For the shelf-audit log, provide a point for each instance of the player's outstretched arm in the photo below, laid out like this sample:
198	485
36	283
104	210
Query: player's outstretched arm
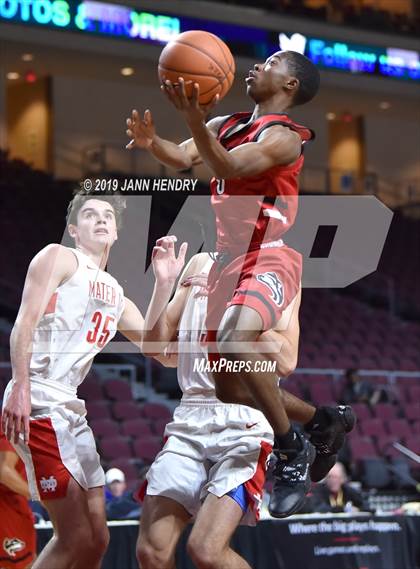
9	475
142	134
47	270
278	145
131	323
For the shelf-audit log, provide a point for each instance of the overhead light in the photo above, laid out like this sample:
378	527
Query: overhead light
347	117
13	75
27	57
30	77
384	105
331	116
126	71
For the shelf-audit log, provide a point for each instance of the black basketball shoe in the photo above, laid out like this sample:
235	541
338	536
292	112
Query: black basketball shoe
291	479
329	440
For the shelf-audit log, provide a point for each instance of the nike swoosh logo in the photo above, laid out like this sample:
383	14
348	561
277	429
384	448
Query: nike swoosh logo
250	425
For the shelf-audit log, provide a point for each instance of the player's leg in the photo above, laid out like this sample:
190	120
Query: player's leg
243	324
326	427
209	541
97	519
73	543
161	524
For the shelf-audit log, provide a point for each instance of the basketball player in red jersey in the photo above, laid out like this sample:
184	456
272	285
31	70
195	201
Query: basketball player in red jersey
17	532
257	155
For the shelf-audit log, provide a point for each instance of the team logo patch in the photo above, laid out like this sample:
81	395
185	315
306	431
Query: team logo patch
272	281
48	484
13	545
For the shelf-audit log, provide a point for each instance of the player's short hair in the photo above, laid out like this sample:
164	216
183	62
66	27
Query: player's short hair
303	69
117	202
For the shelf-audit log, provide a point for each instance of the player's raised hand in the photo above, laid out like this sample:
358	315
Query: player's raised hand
166	265
141	131
190	106
15	417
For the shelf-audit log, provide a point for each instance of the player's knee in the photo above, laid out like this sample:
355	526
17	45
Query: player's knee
150	557
204	556
100	541
77	544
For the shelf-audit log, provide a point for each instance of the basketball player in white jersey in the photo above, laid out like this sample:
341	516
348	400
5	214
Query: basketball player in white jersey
213	464
70	309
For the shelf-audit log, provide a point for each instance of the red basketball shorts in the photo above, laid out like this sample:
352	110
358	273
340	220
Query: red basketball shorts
266	280
17	537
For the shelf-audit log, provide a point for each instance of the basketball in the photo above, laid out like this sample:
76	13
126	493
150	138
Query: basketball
199	57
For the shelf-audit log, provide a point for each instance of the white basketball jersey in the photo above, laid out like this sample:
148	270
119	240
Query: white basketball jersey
194	383
80	319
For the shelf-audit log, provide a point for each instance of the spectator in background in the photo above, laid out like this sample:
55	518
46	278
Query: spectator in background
17	532
119	502
335	495
358	390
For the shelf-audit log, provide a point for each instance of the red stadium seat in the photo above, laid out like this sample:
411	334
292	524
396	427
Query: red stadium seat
412	411
362	411
385	411
413	443
136	427
105	427
361	448
126	410
128	466
116	447
147	448
385	446
399	428
155	411
91	390
372	427
159	426
98	410
118	390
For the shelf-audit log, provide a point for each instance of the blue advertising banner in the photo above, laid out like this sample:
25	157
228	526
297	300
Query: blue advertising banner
136	25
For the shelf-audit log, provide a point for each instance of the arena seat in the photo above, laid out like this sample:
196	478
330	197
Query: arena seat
126	410
399	428
147	448
159	426
105	427
98	410
136	427
373	427
117	390
155	411
91	390
116	447
412	411
130	468
362	447
385	411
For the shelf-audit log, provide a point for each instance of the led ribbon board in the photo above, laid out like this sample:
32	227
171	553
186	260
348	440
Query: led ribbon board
119	21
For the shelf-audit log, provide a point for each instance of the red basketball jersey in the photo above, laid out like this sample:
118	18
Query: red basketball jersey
256	218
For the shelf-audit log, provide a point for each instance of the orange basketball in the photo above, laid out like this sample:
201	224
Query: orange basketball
199	57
